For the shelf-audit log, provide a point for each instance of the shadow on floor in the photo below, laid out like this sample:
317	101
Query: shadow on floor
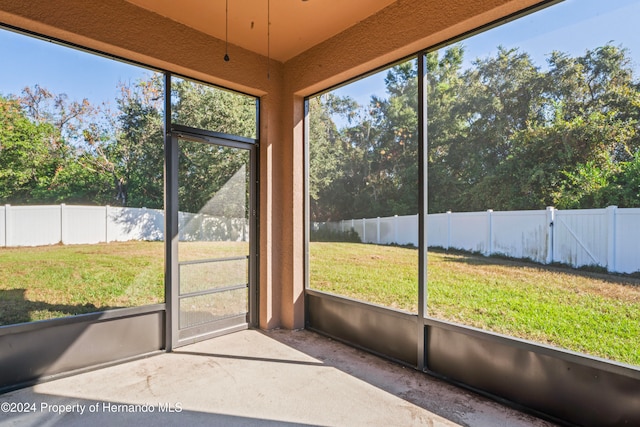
263	378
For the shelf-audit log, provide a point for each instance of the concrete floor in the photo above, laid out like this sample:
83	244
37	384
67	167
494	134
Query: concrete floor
256	378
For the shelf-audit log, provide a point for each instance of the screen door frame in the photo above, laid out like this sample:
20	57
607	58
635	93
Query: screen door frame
176	337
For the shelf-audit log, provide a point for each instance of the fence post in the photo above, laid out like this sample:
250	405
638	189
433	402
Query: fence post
62	205
7	225
551	232
488	249
106	224
364	230
3	230
448	230
378	230
395	228
611	238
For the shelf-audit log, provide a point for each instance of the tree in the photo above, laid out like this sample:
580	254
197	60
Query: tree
207	171
27	153
53	150
45	155
496	99
327	157
588	135
502	134
206	107
443	87
137	158
369	167
393	177
532	138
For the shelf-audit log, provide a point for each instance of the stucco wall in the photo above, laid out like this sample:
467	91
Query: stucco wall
395	32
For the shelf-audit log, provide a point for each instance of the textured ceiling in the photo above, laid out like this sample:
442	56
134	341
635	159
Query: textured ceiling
296	25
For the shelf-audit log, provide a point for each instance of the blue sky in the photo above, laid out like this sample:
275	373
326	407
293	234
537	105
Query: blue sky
572	26
61	70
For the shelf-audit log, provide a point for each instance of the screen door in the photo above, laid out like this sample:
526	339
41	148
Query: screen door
215	229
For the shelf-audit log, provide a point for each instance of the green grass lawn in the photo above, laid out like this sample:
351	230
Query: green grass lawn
55	281
46	282
597	314
592	313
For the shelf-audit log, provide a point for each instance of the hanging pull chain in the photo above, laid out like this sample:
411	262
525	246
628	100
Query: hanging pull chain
268	39
226	31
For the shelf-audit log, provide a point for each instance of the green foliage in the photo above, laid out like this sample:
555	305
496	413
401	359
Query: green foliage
502	134
370	166
53	150
205	107
328	235
27	151
138	155
45	150
616	184
207	170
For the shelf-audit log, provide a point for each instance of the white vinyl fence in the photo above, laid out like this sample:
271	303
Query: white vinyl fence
50	225
607	238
